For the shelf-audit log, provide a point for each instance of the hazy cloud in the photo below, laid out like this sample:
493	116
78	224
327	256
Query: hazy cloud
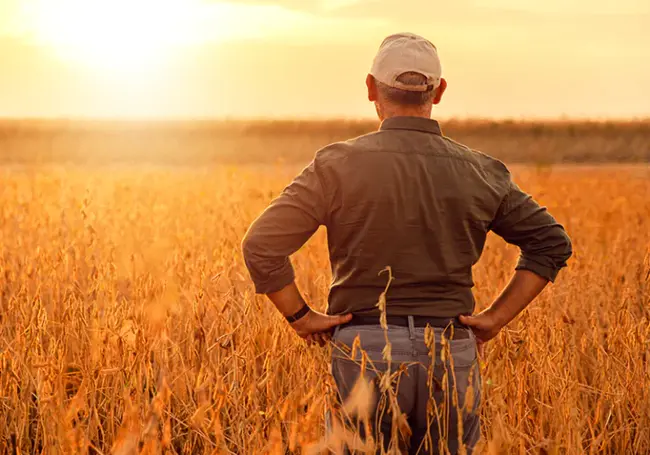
574	8
312	6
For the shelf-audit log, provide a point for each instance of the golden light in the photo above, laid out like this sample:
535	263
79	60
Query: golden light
123	35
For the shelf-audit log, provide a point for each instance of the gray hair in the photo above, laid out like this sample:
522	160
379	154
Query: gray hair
405	97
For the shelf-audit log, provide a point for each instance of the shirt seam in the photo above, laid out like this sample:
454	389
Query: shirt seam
394	128
435	154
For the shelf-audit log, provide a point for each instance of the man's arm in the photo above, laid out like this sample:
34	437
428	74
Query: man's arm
545	248
522	289
280	231
286	224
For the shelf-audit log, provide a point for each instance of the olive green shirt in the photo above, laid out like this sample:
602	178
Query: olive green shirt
408	198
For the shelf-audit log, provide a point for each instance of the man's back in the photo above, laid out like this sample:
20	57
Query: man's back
407	198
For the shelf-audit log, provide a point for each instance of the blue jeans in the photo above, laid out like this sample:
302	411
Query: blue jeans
435	418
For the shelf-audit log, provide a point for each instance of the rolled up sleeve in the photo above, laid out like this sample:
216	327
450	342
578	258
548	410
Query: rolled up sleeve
545	245
288	222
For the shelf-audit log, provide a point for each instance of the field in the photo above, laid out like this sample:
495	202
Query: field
128	323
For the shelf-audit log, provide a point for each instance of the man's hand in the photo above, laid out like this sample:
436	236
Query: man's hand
317	327
314	327
484	325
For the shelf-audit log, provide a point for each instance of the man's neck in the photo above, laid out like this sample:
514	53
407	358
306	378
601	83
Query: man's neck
402	112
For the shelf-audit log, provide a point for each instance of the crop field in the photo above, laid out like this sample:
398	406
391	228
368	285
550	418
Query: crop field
128	323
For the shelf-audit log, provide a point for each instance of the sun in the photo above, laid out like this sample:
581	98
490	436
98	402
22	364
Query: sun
121	35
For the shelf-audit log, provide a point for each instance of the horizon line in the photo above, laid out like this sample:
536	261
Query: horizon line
315	119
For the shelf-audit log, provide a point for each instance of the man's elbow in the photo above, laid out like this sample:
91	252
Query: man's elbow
565	251
558	247
549	256
249	246
561	251
269	272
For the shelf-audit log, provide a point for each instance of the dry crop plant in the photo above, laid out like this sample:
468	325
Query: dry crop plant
128	324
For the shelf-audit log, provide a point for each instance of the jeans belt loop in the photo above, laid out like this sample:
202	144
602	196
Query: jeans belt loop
411	327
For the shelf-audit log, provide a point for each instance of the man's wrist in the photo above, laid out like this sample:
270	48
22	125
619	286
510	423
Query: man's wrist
498	319
298	315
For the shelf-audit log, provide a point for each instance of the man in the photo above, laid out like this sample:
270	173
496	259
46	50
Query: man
408	198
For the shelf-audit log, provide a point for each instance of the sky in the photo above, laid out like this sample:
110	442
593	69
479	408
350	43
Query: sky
309	58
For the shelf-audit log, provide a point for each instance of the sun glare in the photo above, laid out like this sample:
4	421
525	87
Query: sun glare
123	35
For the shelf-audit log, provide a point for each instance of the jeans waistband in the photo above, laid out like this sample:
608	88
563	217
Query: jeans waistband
411	322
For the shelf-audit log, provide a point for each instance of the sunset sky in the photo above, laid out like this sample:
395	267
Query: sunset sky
309	58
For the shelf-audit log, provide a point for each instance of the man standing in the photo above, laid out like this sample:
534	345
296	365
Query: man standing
408	198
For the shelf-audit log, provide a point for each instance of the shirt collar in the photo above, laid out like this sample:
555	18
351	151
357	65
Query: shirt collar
425	125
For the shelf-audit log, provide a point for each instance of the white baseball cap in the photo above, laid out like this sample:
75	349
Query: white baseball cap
405	53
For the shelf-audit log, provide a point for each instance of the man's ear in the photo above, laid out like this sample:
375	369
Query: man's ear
372	88
440	91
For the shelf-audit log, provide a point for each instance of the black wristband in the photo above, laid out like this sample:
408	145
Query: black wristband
301	313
